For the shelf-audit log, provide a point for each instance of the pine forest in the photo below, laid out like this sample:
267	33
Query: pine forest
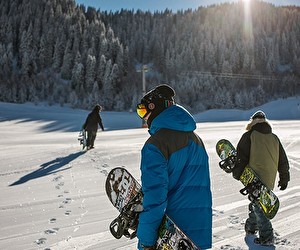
231	55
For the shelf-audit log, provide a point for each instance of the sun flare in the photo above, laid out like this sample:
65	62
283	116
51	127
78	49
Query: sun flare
248	33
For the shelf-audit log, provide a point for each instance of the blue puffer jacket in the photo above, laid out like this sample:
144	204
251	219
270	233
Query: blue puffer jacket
175	179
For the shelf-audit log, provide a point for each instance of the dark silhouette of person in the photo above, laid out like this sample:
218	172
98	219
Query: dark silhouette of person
91	125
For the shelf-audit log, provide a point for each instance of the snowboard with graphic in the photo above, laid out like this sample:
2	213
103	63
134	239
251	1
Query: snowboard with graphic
254	187
125	194
82	138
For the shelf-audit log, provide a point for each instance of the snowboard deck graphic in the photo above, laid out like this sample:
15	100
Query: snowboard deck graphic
82	138
125	194
254	187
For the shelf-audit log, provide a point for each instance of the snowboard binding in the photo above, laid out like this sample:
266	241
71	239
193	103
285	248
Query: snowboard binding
184	245
252	190
229	162
126	223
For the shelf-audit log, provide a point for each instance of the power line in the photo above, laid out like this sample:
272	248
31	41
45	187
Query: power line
229	75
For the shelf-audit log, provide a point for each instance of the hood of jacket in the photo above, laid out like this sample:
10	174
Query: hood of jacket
263	127
175	117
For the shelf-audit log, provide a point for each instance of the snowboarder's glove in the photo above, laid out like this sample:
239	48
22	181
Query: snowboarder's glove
282	185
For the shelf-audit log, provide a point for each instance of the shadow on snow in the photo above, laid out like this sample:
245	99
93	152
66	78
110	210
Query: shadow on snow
49	167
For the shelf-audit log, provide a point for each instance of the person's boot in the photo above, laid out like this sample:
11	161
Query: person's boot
264	242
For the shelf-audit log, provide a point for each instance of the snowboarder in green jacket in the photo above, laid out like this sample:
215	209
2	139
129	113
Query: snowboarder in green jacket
263	152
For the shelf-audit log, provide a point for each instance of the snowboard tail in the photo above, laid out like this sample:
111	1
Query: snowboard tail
125	194
254	187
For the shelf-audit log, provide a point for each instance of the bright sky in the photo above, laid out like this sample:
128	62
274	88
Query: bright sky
161	5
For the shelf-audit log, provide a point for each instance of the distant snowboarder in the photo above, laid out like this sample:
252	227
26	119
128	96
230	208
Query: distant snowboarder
91	126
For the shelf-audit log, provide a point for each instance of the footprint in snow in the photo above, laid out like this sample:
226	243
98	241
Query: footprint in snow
59	185
217	212
104	171
53	220
67	201
51	231
41	241
234	219
68	212
280	241
57	178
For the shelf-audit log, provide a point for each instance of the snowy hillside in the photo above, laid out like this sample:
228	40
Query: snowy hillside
282	109
52	193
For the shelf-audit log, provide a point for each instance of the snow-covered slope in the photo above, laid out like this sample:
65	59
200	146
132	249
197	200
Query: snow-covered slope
282	109
52	194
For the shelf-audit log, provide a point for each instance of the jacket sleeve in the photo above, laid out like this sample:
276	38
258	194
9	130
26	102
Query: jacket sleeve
243	155
283	165
101	123
155	189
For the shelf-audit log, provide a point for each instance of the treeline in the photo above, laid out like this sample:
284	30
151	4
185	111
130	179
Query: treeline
222	56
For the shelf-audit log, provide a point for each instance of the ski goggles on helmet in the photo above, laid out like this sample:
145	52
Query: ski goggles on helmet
142	110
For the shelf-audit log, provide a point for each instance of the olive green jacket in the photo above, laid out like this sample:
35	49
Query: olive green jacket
263	152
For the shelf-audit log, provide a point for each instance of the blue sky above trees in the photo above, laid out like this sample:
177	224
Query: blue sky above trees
161	5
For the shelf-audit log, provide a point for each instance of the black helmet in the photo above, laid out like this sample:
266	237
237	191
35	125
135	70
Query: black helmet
161	92
258	115
157	100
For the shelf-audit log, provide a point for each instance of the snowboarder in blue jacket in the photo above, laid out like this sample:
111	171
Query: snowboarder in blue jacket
174	172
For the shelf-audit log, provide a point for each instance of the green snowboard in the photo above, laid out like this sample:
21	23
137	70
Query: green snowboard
254	187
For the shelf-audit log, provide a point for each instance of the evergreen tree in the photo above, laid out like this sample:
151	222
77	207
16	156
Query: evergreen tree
59	52
66	68
77	76
108	92
90	72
